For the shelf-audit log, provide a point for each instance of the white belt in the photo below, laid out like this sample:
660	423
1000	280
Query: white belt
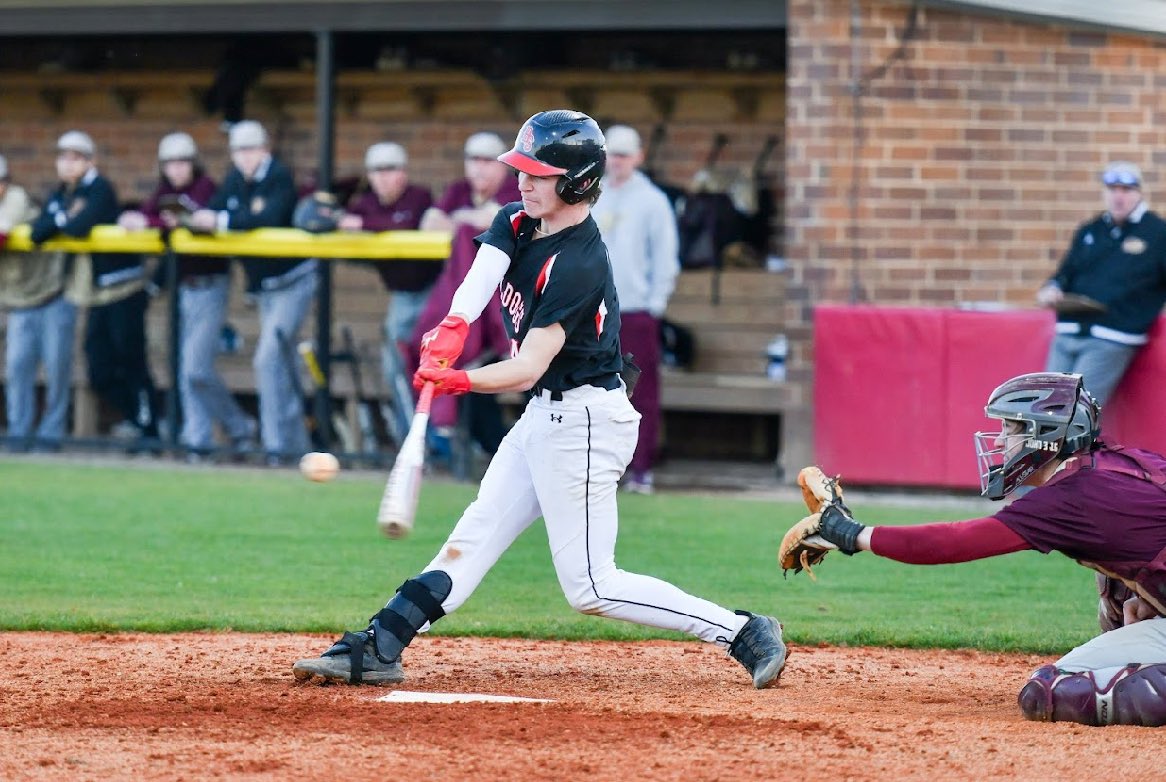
1101	332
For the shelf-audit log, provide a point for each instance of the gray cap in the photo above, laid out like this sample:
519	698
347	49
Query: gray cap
76	141
1122	172
3	167
386	154
177	146
485	145
622	140
247	134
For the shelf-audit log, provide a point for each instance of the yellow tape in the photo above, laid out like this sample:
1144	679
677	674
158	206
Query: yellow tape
262	243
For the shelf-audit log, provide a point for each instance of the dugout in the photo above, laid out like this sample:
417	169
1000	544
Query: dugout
933	154
329	78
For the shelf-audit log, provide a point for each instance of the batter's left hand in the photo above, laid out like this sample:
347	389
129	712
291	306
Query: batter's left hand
445	381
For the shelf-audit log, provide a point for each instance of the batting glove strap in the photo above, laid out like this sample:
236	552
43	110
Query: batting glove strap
840	529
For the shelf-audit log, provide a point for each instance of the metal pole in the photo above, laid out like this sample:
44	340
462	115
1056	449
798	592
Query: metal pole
326	128
856	291
172	408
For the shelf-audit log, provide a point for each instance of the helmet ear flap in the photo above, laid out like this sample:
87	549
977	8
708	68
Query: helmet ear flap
572	191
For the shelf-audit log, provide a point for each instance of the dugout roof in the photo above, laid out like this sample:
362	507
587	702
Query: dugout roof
97	17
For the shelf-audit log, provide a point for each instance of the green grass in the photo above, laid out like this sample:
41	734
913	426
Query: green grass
88	548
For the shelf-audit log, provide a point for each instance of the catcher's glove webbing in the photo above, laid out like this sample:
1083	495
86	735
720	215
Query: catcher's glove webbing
829	527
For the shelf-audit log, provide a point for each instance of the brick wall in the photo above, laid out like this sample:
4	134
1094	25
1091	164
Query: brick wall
980	153
433	128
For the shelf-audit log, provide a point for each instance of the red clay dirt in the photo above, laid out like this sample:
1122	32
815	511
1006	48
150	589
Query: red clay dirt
223	705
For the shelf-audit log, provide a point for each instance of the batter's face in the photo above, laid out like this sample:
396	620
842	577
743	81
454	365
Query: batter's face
179	173
71	166
539	198
1120	201
388	183
248	159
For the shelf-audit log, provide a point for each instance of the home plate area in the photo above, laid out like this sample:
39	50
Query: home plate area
406	696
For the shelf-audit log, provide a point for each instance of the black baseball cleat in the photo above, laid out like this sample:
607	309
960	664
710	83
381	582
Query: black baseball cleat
354	660
758	647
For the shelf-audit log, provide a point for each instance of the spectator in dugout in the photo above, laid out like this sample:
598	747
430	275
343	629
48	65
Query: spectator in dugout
41	326
203	289
111	285
474	200
467	207
1118	261
638	226
392	203
259	193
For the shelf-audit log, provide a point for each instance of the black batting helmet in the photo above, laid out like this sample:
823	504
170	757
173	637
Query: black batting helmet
562	143
317	213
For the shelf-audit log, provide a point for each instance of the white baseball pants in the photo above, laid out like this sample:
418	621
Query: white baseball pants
563	460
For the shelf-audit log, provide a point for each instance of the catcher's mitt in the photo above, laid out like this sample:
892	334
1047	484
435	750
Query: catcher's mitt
802	548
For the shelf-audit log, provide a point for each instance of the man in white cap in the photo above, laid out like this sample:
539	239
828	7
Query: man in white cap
41	323
474	200
259	193
1115	269
467	207
203	293
393	203
111	285
639	228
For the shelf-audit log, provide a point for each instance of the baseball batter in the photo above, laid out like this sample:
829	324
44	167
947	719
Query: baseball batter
1103	505
564	457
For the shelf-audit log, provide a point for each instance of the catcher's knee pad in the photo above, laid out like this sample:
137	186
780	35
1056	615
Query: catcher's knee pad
1135	695
417	601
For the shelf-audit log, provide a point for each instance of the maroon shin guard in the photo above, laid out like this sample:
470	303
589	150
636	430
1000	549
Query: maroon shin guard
1136	695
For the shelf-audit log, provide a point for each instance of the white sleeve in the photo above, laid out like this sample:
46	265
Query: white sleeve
483	278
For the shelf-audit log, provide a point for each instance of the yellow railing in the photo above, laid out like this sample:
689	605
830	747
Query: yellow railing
262	242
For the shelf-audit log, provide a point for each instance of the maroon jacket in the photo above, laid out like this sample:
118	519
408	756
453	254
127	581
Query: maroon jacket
198	193
404	214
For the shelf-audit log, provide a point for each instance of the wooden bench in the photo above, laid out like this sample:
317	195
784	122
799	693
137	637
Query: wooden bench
728	375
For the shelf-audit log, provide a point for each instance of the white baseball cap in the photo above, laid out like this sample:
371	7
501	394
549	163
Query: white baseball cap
1122	172
385	154
3	167
247	134
76	141
177	146
622	140
485	145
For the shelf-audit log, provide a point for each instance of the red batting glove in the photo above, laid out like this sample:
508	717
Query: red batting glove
445	381
441	346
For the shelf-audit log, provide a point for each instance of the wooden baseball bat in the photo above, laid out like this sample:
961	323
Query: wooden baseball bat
399	502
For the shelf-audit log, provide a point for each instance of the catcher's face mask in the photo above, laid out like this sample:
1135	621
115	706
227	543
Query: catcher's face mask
1044	415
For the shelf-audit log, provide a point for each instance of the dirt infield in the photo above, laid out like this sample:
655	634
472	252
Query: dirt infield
197	706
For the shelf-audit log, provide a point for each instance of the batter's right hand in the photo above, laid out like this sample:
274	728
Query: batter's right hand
441	346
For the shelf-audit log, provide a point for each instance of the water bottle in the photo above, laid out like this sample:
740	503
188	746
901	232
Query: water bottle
777	351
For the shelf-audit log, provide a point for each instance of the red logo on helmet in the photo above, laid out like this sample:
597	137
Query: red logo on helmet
526	138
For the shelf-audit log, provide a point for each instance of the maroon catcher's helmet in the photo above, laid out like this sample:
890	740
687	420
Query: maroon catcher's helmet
1053	417
562	143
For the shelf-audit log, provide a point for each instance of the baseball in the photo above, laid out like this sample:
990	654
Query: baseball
319	467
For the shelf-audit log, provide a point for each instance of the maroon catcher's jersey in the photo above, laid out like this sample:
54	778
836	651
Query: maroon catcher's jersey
1094	514
564	278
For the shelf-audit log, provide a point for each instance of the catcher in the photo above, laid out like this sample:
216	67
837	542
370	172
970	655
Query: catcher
1102	505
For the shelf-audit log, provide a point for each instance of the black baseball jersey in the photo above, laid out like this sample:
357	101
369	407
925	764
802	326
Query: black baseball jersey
564	278
1122	266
